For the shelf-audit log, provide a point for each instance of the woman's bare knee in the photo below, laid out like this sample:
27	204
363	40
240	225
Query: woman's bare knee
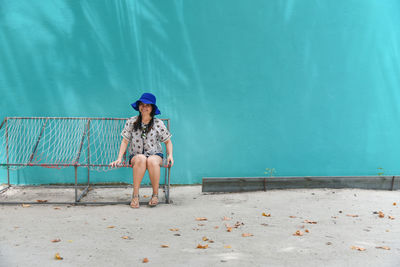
153	161
139	160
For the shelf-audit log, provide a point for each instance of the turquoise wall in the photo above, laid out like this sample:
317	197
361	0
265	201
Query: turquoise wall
305	87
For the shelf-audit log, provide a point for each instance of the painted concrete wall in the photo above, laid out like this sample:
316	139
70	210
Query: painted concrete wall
304	87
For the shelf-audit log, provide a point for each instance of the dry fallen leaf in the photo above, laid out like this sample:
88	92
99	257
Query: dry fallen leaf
57	256
391	217
41	201
164	246
125	237
227	246
292	216
352	215
146	196
201	224
357	248
56	240
201	219
394	204
26	205
247	234
174	229
381	214
237	224
266	214
384	247
310	222
307	231
111	226
210	241
298	233
226	218
205	238
229	229
145	260
203	247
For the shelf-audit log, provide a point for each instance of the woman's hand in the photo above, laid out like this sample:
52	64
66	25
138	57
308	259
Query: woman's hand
170	160
116	163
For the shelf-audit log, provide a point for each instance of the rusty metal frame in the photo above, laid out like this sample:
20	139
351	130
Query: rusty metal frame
76	165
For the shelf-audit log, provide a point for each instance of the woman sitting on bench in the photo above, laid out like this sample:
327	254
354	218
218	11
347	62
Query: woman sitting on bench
145	133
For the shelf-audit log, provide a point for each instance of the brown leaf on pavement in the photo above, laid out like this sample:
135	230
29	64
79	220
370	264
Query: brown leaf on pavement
57	208
352	215
307	231
310	222
227	246
384	247
41	201
216	227
381	214
174	229
266	214
205	238
358	248
292	217
125	237
247	234
26	205
111	226
226	218
164	246
145	260
229	229
57	256
391	217
394	203
203	247
298	233
201	219
56	240
237	224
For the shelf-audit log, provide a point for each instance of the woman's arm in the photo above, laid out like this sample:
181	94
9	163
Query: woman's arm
170	159
122	149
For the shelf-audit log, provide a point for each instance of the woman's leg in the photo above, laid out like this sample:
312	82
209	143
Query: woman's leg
139	168
153	165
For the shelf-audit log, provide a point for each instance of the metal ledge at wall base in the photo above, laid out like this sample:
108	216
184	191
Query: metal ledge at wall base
245	184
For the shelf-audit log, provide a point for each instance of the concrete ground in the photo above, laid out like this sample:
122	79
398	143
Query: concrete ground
332	224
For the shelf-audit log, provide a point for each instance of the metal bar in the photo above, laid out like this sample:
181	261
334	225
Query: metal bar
4	189
3	122
88	153
76	183
72	118
67	165
37	142
8	156
167	199
84	193
80	148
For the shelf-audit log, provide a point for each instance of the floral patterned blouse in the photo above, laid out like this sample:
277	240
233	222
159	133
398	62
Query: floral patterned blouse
145	143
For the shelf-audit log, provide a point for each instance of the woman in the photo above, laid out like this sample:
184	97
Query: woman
145	133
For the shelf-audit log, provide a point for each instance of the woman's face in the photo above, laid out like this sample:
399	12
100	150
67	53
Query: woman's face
145	109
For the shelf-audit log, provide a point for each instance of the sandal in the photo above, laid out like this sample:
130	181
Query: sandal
135	202
154	200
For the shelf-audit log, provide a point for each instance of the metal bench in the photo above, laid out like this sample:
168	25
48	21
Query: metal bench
61	142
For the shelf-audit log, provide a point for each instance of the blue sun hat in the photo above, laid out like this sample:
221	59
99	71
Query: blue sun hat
146	98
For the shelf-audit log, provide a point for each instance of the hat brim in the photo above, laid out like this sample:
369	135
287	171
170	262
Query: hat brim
136	106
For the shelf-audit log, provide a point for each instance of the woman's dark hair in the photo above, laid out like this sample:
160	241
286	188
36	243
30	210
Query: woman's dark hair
137	125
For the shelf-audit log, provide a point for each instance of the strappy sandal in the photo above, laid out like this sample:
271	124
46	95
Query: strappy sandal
135	202
154	200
